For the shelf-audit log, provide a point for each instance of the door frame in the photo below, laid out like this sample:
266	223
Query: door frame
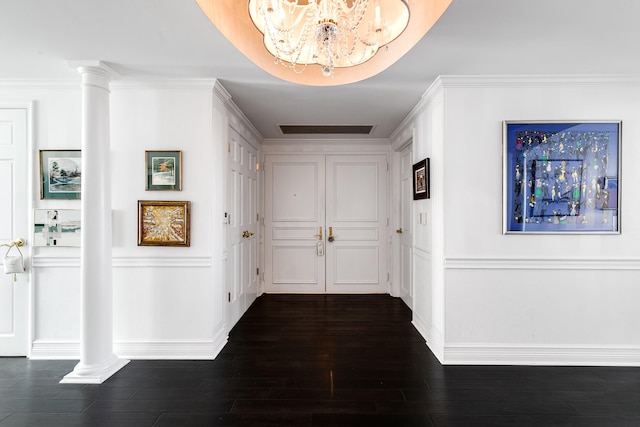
27	250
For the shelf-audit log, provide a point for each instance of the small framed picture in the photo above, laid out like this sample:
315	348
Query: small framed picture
164	170
163	223
421	180
60	174
56	227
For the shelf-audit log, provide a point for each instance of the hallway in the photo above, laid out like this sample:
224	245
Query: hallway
320	360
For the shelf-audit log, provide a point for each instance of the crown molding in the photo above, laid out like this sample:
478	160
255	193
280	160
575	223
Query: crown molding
165	84
39	84
562	80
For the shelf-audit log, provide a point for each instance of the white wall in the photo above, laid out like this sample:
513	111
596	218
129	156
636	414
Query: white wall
168	301
163	296
530	299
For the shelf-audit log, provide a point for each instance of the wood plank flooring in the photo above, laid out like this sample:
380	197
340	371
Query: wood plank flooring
319	361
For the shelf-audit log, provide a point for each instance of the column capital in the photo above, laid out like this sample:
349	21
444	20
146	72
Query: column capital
95	66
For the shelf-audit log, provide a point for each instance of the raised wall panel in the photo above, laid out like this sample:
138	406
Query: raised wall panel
6	214
6	133
294	264
291	233
364	179
356	265
297	195
359	234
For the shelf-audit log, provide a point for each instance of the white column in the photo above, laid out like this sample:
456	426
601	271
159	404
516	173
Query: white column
97	361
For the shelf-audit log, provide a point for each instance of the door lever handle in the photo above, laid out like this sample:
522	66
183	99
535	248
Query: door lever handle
399	230
331	237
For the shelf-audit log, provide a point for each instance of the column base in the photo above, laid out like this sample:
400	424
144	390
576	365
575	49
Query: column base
83	374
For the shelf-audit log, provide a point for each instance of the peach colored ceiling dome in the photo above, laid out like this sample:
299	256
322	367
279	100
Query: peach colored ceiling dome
245	36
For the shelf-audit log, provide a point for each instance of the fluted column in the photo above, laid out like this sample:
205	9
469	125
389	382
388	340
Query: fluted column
97	360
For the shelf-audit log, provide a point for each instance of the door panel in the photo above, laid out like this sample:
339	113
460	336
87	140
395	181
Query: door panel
356	215
342	195
14	296
294	213
406	224
242	230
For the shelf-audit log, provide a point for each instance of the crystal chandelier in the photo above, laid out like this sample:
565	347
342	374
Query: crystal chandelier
330	33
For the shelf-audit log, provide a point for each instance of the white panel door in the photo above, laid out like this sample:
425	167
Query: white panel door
242	229
325	223
294	216
406	226
14	296
356	211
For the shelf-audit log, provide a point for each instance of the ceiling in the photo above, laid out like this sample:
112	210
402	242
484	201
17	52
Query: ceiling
174	39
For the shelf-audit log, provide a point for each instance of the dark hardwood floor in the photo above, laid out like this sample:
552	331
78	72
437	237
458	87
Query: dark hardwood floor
320	360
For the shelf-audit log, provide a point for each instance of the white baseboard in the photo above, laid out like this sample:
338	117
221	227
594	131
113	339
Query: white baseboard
521	354
51	350
170	350
541	355
432	336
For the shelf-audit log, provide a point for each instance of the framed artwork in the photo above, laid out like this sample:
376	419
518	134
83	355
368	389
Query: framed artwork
60	174
163	223
421	184
164	170
56	227
561	177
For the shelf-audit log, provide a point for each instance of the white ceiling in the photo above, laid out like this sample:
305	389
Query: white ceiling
173	39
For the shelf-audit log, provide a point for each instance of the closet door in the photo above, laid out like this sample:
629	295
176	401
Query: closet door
356	211
405	231
242	230
294	223
14	217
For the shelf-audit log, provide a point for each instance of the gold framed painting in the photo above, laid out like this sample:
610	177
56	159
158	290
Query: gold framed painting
163	223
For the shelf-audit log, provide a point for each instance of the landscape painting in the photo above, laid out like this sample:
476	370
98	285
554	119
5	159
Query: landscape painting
61	173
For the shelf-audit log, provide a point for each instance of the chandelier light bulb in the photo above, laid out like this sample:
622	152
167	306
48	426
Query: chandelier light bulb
330	33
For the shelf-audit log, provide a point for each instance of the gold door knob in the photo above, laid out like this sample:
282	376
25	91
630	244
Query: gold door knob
246	234
399	230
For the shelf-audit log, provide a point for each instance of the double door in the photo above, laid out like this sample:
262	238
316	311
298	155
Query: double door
326	224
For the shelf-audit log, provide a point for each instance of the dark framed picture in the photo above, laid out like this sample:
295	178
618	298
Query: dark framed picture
164	170
561	177
60	174
421	184
163	223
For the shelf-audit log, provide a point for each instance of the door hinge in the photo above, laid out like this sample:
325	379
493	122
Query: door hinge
257	271
257	217
228	147
388	277
229	296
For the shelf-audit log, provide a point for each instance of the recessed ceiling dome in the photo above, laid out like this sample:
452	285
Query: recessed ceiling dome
235	23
